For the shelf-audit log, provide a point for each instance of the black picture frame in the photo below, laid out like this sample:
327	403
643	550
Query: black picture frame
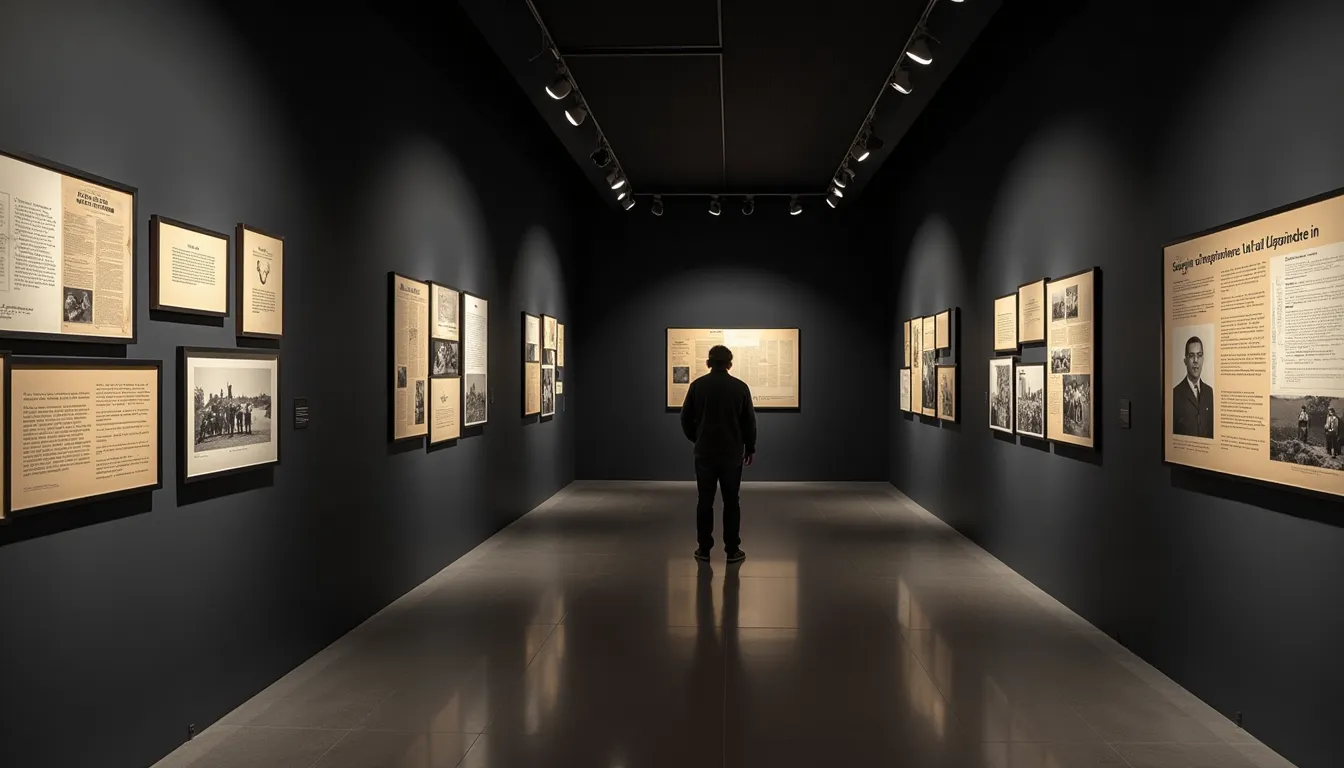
956	393
14	362
239	265
1045	400
465	351
392	361
667	334
950	320
541	340
1017	347
155	221
1011	362
461	350
1097	349
1045	324
184	355
66	170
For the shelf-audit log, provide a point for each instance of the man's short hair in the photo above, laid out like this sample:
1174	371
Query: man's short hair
720	356
1193	340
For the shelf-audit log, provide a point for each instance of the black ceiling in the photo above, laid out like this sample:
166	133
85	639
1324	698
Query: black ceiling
728	96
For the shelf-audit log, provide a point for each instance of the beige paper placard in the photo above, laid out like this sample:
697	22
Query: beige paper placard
1005	323
916	364
1071	361
905	390
942	325
193	269
445	409
475	357
905	331
261	283
445	305
767	359
410	357
1031	312
928	368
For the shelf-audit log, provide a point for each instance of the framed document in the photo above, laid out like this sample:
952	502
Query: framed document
227	411
947	392
1029	397
767	359
445	360
531	365
409	348
188	268
1031	312
1253	348
560	359
80	430
1072	353
260	267
905	331
916	363
1005	323
475	353
1001	394
67	253
928	368
905	390
549	355
942	325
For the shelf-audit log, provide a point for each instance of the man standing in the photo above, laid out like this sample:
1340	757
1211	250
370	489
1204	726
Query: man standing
1303	424
1192	399
719	418
1332	433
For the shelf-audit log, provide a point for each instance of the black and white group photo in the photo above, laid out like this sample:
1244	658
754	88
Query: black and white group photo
78	306
473	399
1001	395
1078	404
444	354
929	372
1030	398
1064	304
1061	360
231	407
1305	430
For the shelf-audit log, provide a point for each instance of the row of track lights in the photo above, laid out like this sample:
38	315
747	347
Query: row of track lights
561	88
716	205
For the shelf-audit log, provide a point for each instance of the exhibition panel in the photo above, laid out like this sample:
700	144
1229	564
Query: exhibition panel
548	359
1005	323
67	253
1253	360
409	331
905	333
916	364
475	353
928	368
905	389
1031	312
188	268
259	268
947	392
445	354
1001	394
560	359
228	401
1029	396
767	359
1072	346
943	329
531	365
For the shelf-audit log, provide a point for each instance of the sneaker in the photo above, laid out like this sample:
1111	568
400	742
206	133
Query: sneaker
737	556
702	555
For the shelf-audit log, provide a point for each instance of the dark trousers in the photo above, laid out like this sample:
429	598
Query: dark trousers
726	476
1332	443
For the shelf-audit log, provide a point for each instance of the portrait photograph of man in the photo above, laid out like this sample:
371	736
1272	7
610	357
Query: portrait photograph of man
1192	392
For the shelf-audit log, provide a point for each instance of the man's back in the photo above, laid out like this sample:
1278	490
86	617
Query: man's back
719	418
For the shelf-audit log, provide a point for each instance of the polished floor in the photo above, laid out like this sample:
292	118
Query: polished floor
861	631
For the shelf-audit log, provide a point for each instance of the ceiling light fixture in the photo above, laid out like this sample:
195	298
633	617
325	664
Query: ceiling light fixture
865	147
832	199
628	202
576	114
901	81
795	207
834	190
616	179
621	195
843	176
657	208
714	208
560	87
601	157
748	206
919	52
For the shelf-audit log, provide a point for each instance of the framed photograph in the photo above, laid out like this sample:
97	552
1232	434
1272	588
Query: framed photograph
1005	323
916	364
67	246
54	409
445	364
942	324
560	359
905	390
188	268
549	355
227	415
475	353
531	365
768	359
1071	348
1031	312
1029	397
905	332
260	268
947	392
928	369
1001	394
409	347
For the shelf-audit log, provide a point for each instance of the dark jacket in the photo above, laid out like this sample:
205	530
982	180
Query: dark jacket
719	418
1190	417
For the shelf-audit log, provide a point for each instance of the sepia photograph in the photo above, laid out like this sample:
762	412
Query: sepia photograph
401	377
1071	302
1077	404
445	358
1190	374
1030	398
548	357
947	392
1061	360
230	407
929	372
681	374
1001	394
420	401
1057	309
531	354
78	305
905	389
474	409
547	391
446	308
1305	430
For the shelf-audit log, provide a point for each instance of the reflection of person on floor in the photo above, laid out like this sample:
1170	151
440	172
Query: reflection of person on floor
1303	424
1192	400
1332	433
719	418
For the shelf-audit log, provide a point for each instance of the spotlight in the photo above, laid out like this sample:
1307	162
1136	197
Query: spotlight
843	176
795	207
901	81
657	208
622	194
865	147
714	208
919	52
748	206
832	199
576	114
628	202
616	179
560	87
601	157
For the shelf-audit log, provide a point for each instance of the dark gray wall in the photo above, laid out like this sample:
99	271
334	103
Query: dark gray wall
1121	127
123	623
690	269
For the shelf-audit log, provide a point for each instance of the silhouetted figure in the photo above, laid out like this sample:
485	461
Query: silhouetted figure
719	418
